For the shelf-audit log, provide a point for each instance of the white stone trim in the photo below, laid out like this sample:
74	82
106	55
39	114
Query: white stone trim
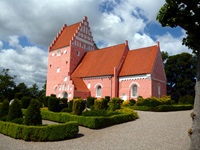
98	77
136	77
159	80
85	41
98	85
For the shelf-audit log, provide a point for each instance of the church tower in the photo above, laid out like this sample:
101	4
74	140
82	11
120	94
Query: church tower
64	55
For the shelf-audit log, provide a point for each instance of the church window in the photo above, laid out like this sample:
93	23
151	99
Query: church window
58	70
65	51
58	53
78	53
65	78
98	91
134	90
52	54
159	90
89	85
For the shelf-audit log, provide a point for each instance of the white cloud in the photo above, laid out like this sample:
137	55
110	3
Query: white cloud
29	64
40	21
172	45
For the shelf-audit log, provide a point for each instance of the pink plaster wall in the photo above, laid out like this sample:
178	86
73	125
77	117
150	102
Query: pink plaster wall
144	88
105	82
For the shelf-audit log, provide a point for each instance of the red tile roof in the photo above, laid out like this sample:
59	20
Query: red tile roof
100	62
79	84
65	36
140	61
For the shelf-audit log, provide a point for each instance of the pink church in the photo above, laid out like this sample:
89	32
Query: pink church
76	68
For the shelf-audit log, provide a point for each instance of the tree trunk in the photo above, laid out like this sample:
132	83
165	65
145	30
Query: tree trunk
195	132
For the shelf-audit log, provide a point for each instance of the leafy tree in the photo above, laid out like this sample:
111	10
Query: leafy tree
165	56
22	88
33	91
7	85
33	116
14	111
181	75
185	14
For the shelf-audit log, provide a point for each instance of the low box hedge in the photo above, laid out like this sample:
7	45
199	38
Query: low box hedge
40	133
92	122
163	108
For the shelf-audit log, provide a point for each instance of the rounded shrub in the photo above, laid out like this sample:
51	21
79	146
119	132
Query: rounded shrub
33	116
78	106
53	104
4	108
14	110
126	103
25	101
132	102
115	103
99	104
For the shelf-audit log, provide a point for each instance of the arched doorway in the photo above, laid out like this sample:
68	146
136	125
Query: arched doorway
64	95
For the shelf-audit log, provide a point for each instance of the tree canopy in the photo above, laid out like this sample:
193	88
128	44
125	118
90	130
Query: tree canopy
183	13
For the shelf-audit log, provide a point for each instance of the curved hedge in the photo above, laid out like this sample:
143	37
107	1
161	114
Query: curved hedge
40	133
92	122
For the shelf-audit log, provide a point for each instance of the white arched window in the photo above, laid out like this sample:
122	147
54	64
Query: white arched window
134	91
98	91
89	85
159	95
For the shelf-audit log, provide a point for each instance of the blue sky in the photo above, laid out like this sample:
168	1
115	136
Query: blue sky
28	27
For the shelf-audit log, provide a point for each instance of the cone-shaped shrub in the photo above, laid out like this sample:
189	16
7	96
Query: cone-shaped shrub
115	103
14	111
53	103
78	106
25	101
33	116
4	108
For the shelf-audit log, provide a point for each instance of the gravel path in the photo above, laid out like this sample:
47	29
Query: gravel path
153	131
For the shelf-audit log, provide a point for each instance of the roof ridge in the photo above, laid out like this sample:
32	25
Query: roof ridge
106	47
144	47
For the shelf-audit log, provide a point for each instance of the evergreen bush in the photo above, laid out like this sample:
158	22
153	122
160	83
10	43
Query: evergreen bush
132	102
33	116
78	106
14	110
99	104
90	101
18	95
70	104
187	99
25	101
45	100
115	103
53	104
4	108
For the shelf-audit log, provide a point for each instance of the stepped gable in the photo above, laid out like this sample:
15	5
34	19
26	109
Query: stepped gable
100	62
64	37
139	61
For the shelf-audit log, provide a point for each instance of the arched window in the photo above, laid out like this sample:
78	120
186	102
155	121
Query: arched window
98	91
89	85
58	53
134	90
159	90
64	95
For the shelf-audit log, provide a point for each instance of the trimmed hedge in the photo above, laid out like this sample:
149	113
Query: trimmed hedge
163	108
40	133
92	122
